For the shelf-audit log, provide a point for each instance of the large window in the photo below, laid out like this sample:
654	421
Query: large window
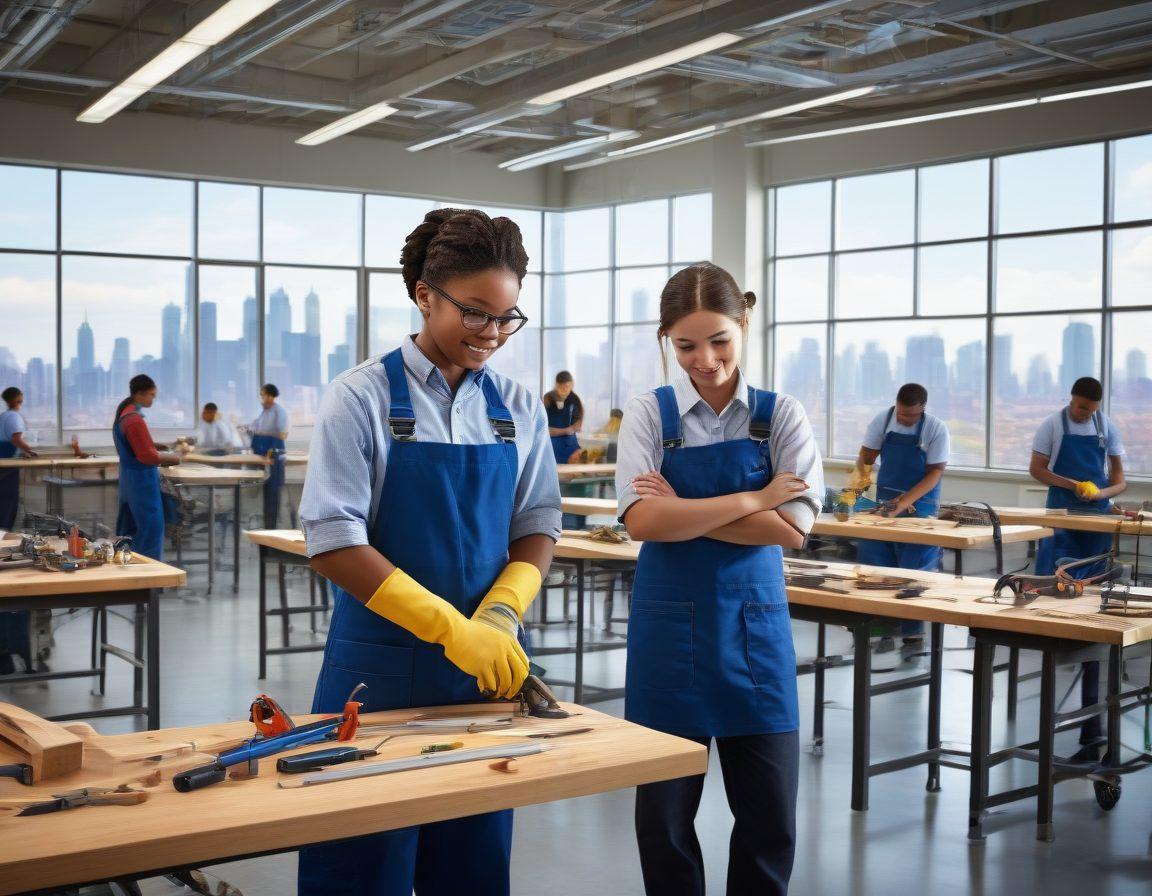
28	344
605	269
976	279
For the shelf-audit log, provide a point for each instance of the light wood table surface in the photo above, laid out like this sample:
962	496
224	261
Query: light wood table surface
237	818
247	459
137	585
1112	523
588	506
61	462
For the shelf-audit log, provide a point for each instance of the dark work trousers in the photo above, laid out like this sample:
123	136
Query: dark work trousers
760	779
273	486
9	498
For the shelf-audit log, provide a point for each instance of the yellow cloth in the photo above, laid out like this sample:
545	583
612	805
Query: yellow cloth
486	652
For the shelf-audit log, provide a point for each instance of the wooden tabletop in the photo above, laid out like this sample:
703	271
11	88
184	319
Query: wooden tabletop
193	474
288	540
61	462
235	818
953	537
140	573
1078	621
247	459
568	472
1080	522
588	506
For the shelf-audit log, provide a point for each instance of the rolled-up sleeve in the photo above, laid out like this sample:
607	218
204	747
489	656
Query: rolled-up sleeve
794	450
536	510
638	449
337	499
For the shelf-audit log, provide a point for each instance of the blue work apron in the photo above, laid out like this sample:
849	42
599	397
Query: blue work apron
272	446
709	637
9	487
14	636
443	518
141	513
563	447
903	463
1079	458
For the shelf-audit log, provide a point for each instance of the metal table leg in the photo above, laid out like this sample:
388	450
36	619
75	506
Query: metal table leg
578	687
236	538
211	536
861	716
1046	744
959	554
935	687
982	662
262	574
153	659
818	691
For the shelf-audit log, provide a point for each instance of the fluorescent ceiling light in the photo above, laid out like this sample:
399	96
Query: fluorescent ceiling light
663	141
433	141
348	123
565	150
228	19
829	99
590	163
896	122
659	61
1094	91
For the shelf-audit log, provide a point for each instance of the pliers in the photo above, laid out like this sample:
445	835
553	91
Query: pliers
124	795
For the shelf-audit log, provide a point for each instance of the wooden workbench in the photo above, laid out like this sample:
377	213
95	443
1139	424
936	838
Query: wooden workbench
588	506
569	472
237	818
100	587
1112	523
60	462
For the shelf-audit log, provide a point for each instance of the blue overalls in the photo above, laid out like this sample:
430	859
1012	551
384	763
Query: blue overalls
14	631
1079	458
444	514
262	445
710	654
903	463
141	514
563	447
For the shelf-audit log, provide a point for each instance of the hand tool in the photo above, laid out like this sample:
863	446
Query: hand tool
318	759
425	727
129	793
551	734
21	771
342	727
536	698
442	748
815	581
1063	584
431	760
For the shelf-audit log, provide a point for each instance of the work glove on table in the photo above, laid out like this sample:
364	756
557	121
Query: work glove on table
475	646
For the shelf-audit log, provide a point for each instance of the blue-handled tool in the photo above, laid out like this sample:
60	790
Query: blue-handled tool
342	727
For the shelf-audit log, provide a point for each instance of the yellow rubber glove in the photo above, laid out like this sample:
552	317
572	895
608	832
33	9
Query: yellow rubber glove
1087	490
859	480
488	653
509	597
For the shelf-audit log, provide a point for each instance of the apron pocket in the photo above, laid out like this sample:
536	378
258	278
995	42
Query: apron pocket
768	643
386	670
660	644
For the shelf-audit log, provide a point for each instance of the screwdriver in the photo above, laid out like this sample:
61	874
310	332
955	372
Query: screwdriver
317	759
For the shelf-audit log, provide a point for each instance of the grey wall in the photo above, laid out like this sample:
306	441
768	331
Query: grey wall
168	144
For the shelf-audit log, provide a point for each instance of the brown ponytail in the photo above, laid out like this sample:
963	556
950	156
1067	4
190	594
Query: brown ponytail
701	287
453	241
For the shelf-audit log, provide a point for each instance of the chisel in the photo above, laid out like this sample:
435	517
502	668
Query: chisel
317	759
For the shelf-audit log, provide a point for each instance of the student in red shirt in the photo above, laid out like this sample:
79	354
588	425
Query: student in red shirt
141	514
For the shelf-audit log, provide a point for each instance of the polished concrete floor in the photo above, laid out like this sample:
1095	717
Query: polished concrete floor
909	842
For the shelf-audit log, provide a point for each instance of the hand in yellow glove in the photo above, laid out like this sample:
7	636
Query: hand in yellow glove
509	597
1087	490
475	646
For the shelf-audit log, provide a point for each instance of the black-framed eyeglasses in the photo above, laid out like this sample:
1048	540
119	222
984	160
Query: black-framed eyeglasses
476	319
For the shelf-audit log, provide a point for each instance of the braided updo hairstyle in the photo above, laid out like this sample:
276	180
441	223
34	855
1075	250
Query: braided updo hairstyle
456	241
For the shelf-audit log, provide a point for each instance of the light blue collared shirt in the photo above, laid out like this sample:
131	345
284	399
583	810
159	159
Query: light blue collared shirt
270	421
791	446
1050	435
348	455
11	423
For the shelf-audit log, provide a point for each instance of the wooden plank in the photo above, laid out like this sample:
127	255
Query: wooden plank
239	817
289	540
50	749
58	463
245	459
568	472
141	573
1079	522
961	537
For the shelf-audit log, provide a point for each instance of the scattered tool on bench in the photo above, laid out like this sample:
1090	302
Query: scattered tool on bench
537	700
1065	583
412	763
318	759
130	793
342	727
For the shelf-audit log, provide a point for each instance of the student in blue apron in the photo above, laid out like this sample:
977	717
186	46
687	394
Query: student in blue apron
913	448
715	477
565	417
432	504
12	444
1077	453
269	432
141	513
14	633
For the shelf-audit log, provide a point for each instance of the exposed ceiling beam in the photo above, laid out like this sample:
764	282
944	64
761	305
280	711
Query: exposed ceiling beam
49	20
1006	39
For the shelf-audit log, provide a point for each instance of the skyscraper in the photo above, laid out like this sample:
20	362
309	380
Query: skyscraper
312	313
278	323
926	364
1079	354
209	359
120	371
969	372
85	349
1039	382
170	353
1135	366
875	373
